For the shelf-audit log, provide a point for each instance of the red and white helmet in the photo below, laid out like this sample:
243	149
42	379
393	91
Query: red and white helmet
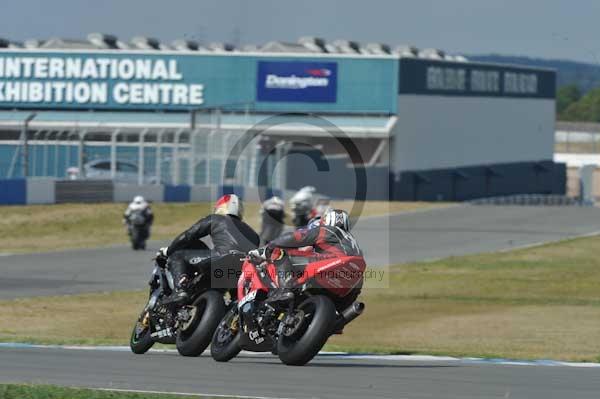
229	204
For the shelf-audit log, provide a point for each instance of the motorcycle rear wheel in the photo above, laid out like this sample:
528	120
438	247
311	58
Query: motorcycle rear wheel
225	343
196	338
310	336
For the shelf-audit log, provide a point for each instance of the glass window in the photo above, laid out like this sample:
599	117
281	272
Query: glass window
102	166
126	167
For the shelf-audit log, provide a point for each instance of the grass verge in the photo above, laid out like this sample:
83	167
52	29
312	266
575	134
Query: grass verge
22	391
533	303
37	228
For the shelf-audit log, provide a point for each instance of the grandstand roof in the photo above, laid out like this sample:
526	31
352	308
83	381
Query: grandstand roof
305	44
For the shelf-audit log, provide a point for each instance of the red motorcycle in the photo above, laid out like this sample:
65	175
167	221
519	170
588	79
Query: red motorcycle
319	300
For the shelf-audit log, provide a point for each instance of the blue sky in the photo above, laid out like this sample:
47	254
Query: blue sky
542	28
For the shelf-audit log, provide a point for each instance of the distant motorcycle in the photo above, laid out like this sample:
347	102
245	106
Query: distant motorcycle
190	327
138	228
295	330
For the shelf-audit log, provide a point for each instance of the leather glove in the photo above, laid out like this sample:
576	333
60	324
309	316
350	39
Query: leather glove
161	256
258	255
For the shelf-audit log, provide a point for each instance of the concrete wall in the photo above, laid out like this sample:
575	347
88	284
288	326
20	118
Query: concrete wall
125	192
437	132
203	193
41	191
335	177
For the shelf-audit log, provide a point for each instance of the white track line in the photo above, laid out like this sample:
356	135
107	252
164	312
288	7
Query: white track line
211	395
332	355
542	243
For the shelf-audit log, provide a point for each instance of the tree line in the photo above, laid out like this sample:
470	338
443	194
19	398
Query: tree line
573	105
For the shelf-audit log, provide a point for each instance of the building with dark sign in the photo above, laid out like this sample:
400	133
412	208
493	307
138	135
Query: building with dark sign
416	127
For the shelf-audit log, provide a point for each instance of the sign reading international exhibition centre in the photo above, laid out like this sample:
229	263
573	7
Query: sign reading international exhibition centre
295	81
88	81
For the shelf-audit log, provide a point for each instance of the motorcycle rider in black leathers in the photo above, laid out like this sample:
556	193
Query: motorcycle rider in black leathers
272	213
228	233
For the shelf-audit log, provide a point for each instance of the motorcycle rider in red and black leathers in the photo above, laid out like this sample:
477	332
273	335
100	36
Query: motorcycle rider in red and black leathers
329	238
227	231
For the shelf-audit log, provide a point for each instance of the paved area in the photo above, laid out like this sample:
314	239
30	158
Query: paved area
325	377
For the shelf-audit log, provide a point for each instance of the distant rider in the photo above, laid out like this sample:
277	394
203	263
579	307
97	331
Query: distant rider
228	233
139	215
273	217
302	204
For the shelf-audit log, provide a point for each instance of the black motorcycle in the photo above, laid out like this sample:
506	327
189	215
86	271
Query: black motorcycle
189	327
138	228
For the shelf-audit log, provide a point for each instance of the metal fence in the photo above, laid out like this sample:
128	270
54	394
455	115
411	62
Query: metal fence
198	155
577	142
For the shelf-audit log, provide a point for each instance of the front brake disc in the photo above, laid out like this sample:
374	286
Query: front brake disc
191	312
292	323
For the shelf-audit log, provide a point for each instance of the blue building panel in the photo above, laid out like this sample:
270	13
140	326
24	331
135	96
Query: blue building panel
177	193
13	192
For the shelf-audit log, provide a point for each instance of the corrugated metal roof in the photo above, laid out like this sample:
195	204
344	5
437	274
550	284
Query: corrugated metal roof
353	125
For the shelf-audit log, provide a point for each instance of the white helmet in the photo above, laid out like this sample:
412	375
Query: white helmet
303	197
229	204
274	203
336	218
138	199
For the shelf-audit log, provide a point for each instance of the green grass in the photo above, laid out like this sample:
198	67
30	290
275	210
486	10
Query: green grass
36	228
22	391
541	302
535	303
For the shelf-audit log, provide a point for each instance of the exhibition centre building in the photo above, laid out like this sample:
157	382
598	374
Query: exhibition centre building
418	125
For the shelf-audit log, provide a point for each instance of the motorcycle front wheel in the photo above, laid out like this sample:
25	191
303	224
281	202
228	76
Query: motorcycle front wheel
210	309
299	343
141	341
225	343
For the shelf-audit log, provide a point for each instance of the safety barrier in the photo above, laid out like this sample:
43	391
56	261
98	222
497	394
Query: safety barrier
453	184
532	199
13	191
50	191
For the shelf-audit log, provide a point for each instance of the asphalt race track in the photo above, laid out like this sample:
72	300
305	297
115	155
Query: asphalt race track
469	229
426	235
324	377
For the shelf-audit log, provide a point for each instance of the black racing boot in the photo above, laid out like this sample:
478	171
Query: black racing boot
179	296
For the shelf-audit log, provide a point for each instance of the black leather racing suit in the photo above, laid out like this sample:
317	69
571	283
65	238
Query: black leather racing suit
228	233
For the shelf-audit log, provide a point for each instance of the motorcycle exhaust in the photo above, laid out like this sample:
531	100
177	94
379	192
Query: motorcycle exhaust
350	313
